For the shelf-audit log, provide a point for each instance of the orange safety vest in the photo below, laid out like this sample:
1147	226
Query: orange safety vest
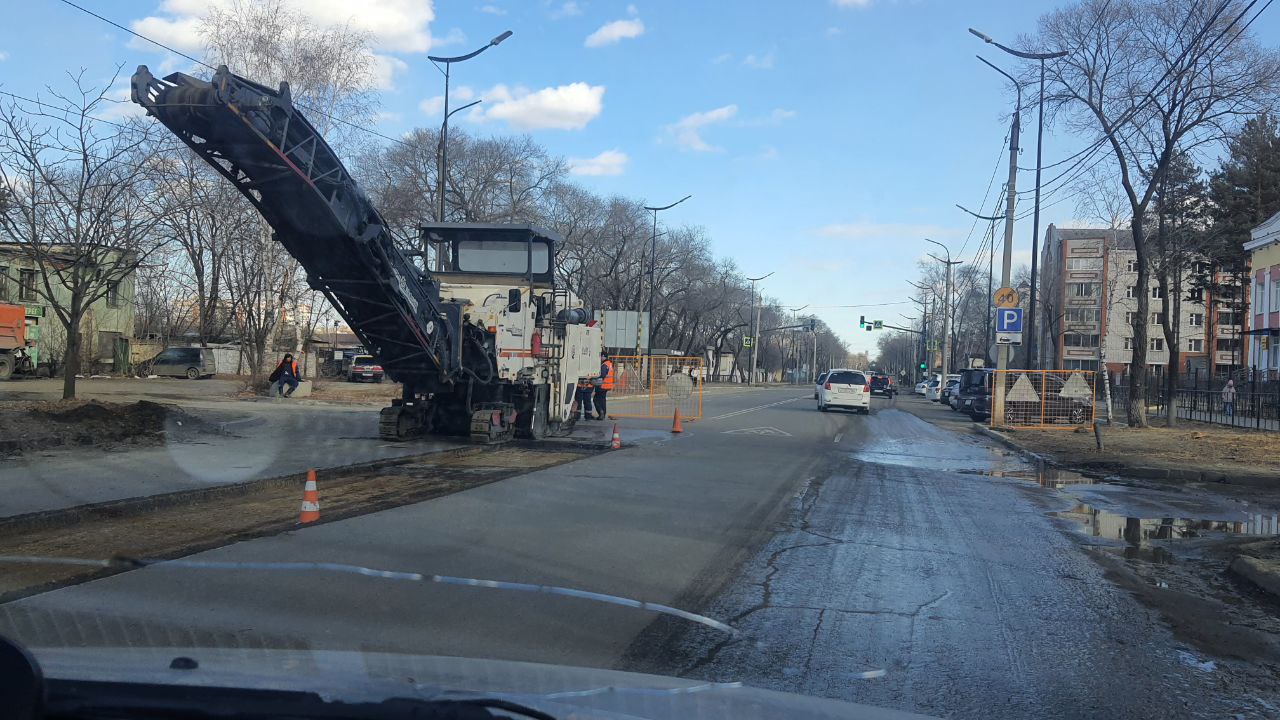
606	383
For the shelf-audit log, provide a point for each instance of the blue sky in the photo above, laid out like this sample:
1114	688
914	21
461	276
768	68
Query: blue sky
822	140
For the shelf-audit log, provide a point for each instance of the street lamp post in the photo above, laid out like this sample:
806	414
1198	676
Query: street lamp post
442	171
755	333
946	312
991	258
1002	351
653	262
1033	358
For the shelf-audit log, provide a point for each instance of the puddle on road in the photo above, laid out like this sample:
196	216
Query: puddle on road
1138	532
1043	475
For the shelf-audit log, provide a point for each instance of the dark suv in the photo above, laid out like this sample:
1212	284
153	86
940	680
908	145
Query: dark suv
974	394
882	384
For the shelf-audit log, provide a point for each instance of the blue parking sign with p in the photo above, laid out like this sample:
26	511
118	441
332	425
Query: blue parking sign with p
1009	320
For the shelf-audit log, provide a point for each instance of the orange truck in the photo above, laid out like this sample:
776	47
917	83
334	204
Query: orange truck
14	357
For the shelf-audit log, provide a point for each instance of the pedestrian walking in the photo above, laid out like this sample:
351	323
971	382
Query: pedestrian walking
605	384
1229	398
583	399
286	373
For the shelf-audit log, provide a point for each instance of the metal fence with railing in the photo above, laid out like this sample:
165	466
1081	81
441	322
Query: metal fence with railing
654	386
1047	398
1255	406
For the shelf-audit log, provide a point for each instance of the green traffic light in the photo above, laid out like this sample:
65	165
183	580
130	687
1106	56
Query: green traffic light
922	366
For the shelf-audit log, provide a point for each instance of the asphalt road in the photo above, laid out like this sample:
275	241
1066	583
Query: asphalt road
867	558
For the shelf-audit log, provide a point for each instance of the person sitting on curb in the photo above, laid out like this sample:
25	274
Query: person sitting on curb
286	373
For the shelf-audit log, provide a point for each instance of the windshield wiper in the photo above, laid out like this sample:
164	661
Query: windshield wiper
88	700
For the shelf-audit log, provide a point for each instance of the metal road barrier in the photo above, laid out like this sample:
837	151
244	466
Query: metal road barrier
654	386
1047	398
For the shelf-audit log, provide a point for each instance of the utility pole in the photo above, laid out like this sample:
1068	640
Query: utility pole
991	259
946	312
755	333
1002	351
653	262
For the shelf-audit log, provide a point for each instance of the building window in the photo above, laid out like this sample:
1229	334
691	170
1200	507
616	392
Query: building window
1195	319
1132	266
1226	317
1275	295
1084	263
1156	292
1081	289
1083	315
113	295
1157	318
1259	297
1196	295
1131	291
1195	345
1078	340
26	285
4	284
1129	316
1227	344
1157	343
1128	343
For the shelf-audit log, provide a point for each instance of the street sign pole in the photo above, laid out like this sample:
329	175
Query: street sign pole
1002	351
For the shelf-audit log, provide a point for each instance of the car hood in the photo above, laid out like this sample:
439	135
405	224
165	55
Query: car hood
352	676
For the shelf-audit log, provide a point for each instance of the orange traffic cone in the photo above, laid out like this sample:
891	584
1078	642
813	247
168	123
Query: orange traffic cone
617	439
310	500
675	425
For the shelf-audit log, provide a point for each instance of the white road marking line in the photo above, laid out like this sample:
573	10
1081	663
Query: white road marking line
758	407
837	439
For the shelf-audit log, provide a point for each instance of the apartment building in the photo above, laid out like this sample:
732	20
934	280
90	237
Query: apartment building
1264	335
1089	296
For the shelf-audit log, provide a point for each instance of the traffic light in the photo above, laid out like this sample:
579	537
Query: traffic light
862	321
868	328
923	366
813	324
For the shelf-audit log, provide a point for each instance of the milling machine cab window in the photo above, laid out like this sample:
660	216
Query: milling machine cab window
499	251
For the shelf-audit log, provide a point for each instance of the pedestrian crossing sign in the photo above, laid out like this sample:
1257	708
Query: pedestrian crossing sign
1022	391
1075	387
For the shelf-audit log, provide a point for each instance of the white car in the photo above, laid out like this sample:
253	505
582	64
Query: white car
846	389
922	386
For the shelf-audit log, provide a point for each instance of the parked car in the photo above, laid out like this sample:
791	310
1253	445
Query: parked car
817	388
952	384
882	384
189	362
974	383
848	389
364	369
922	387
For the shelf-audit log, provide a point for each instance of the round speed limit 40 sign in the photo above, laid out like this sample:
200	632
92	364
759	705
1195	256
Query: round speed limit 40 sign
1006	297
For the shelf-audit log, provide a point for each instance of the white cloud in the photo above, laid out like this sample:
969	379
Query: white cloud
565	107
118	104
833	31
609	162
687	130
615	31
455	36
631	10
567	9
762	62
769	152
3	56
384	68
899	232
392	25
776	117
721	58
492	10
458	96
388	117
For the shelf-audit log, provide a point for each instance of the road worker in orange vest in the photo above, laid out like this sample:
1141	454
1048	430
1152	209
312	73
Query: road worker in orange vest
605	384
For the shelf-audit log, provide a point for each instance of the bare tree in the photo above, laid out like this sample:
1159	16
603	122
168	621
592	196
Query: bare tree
80	203
1147	78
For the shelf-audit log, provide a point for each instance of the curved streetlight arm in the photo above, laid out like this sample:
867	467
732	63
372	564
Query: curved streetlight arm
1019	53
761	278
944	247
1016	85
668	207
992	218
464	107
468	56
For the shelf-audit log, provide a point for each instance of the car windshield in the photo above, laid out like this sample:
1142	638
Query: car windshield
435	349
